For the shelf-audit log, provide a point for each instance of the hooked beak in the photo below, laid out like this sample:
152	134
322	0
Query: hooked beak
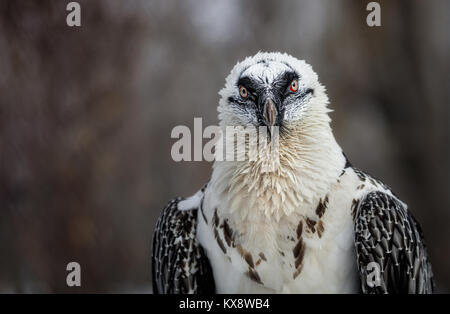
270	112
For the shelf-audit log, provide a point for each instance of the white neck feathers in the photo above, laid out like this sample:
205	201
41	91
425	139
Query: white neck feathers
310	161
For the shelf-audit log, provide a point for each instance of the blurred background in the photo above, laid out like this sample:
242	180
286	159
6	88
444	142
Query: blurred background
86	115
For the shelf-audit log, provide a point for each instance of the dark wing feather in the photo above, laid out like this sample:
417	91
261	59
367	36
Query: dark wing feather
179	264
387	234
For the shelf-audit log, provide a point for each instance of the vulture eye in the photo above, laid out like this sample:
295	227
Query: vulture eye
294	86
243	92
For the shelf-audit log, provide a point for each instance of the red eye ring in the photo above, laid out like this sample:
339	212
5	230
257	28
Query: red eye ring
243	92
294	86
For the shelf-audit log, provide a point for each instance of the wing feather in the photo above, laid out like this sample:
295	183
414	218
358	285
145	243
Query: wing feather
179	264
387	234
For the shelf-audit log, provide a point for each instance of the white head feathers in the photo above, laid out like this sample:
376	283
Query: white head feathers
265	68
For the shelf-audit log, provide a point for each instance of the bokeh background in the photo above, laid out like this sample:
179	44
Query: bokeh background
86	116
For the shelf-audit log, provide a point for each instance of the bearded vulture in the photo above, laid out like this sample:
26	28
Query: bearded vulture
312	224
